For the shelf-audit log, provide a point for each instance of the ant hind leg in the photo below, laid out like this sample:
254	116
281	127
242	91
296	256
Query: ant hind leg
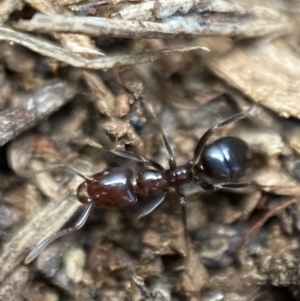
172	162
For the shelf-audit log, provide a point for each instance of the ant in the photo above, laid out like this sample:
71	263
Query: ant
217	165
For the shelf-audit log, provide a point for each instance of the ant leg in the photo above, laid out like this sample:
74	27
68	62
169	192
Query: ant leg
147	207
79	224
154	203
182	200
138	158
233	185
202	141
79	173
172	162
126	154
236	185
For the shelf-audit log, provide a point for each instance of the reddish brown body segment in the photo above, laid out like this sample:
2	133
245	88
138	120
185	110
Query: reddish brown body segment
109	189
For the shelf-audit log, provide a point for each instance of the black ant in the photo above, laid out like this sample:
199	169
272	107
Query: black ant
218	165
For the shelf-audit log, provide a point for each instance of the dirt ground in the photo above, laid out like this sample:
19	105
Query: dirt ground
74	72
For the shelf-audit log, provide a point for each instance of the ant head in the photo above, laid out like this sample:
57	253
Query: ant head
224	160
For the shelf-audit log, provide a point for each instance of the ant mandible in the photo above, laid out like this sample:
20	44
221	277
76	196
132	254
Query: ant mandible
218	165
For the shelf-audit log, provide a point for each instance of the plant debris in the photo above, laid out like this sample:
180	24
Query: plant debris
72	77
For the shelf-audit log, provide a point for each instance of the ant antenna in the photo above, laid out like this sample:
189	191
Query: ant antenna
79	224
56	166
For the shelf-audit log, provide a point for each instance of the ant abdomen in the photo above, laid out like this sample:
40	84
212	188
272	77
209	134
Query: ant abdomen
109	189
225	159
